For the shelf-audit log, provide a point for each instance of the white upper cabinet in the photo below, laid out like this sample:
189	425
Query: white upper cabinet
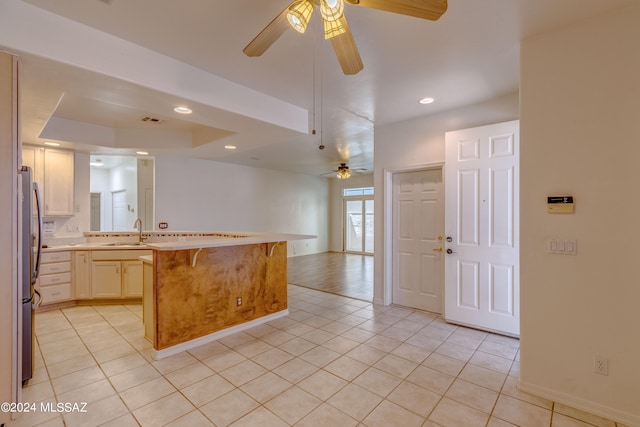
53	170
58	182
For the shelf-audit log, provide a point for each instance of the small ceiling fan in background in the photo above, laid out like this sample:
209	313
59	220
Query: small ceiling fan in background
336	28
344	172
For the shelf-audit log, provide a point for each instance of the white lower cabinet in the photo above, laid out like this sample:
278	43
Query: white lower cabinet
132	279
116	273
54	282
90	274
106	279
82	274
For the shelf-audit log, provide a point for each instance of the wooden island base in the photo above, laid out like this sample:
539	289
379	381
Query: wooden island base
203	294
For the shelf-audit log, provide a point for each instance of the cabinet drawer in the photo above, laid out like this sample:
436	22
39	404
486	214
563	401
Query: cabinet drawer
55	256
55	279
55	293
56	267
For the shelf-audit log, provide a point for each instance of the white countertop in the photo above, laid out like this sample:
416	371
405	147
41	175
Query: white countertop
94	247
213	242
182	243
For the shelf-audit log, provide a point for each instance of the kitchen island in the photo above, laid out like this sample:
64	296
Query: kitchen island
206	288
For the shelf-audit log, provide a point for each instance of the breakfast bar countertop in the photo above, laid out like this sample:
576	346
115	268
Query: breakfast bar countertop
211	242
171	241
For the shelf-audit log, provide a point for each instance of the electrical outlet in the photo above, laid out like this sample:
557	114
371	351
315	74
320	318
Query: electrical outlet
239	301
600	365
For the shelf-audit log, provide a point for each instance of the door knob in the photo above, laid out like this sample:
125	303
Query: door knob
450	251
437	250
449	239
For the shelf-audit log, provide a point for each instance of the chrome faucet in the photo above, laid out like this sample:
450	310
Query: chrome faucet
138	225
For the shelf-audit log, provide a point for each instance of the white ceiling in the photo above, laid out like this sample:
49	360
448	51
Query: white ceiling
468	56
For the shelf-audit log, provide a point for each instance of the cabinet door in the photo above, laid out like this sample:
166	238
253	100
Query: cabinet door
132	278
106	279
82	275
32	157
58	183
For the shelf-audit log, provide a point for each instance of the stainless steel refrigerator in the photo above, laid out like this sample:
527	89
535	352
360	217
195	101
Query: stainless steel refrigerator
31	237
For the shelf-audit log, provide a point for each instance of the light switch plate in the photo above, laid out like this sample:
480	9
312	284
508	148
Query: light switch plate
562	247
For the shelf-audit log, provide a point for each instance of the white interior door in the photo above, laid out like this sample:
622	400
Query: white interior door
418	214
119	210
482	275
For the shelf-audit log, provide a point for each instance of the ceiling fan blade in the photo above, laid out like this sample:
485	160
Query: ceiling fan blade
268	35
425	9
346	50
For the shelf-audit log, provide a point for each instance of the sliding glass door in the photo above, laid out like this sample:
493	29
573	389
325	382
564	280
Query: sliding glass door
358	225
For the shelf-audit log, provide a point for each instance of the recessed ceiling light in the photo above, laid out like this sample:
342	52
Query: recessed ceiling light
182	110
230	147
52	144
142	153
426	100
97	162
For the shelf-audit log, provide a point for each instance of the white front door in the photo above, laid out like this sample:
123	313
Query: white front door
482	272
417	239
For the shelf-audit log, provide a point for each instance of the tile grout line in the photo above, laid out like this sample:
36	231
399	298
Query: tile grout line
319	303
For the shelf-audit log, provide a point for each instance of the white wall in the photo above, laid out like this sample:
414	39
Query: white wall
418	142
145	181
125	177
580	136
100	184
193	194
106	181
8	231
336	209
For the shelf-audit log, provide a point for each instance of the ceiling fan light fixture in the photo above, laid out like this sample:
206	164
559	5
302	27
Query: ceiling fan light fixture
331	10
333	28
299	15
343	173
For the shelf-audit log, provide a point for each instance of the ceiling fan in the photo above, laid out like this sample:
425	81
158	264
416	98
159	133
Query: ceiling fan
344	172
336	28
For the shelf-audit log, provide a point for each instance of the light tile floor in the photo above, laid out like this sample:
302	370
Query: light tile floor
333	361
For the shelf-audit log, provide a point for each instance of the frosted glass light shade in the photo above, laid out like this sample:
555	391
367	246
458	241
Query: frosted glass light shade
299	15
331	10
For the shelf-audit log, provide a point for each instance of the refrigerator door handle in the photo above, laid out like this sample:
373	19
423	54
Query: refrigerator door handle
36	270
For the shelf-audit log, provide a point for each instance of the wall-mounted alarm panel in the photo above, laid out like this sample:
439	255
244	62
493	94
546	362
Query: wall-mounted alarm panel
560	204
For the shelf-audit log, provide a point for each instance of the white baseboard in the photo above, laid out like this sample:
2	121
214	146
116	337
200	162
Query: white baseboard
178	348
584	405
